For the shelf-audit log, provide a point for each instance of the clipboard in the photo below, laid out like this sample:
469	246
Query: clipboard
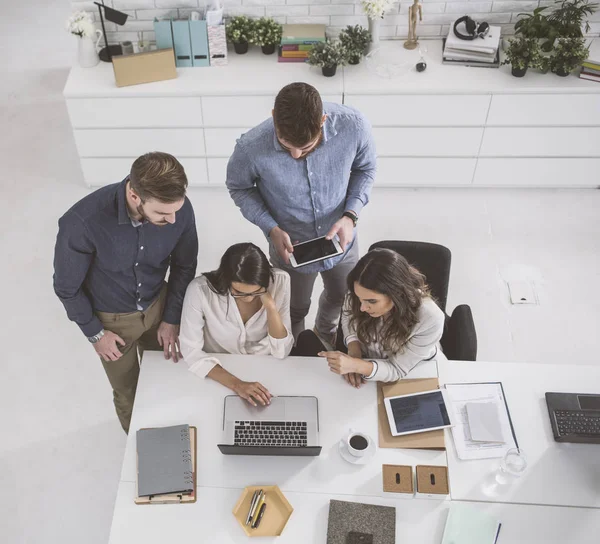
429	440
174	498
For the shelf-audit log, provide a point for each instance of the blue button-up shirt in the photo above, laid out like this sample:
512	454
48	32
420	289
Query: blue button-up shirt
104	262
306	196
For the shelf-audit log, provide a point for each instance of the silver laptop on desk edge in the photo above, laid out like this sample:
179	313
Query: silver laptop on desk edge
282	409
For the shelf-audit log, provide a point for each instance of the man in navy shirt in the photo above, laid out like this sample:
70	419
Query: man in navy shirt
112	254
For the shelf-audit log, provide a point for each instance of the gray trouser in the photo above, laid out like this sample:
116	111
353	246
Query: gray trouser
331	299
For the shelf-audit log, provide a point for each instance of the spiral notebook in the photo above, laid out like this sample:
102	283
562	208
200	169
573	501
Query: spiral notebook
164	458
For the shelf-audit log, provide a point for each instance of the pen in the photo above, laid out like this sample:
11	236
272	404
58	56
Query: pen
259	505
252	504
260	515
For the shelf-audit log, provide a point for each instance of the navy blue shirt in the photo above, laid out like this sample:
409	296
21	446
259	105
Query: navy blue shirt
102	262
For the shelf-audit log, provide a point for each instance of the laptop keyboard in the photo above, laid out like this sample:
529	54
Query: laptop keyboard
581	423
270	433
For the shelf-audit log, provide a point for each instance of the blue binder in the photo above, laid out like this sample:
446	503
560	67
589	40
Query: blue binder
181	41
164	34
199	41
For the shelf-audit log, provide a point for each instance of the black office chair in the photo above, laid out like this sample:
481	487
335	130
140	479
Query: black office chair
459	340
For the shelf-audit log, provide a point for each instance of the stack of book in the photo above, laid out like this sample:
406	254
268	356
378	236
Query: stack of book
478	52
590	69
298	40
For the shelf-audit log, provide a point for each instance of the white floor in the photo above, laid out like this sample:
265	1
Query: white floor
61	445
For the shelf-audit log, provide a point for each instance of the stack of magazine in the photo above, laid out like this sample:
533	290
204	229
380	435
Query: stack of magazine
478	52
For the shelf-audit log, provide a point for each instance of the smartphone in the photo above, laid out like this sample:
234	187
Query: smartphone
314	250
359	538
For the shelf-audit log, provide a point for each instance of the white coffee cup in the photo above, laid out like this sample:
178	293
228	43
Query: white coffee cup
357	443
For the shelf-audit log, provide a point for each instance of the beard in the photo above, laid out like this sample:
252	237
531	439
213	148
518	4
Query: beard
140	210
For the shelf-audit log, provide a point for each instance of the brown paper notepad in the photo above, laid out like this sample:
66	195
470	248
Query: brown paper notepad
430	440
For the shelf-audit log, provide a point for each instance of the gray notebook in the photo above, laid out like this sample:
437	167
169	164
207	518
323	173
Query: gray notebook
355	517
164	461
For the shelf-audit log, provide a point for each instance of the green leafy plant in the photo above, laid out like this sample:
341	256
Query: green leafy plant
522	53
328	54
568	54
355	39
266	32
240	29
537	25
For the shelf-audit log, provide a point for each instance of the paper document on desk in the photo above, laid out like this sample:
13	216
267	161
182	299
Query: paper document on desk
489	432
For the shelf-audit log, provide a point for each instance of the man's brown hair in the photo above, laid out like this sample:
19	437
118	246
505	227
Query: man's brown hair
158	176
298	113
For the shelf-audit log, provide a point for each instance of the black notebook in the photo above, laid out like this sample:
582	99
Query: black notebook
164	461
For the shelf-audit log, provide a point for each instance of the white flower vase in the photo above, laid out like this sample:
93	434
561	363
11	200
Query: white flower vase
88	51
374	26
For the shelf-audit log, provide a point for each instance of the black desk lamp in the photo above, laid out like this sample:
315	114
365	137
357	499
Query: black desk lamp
114	16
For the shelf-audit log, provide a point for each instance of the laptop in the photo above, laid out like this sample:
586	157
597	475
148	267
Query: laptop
574	417
288	426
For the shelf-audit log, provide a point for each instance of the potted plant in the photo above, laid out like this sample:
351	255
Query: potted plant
267	33
568	54
356	40
522	53
571	16
328	55
239	32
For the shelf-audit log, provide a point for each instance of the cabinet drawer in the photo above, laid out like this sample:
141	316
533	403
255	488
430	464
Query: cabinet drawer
545	110
135	112
404	172
420	141
541	142
99	172
241	111
133	142
538	172
217	171
415	110
220	142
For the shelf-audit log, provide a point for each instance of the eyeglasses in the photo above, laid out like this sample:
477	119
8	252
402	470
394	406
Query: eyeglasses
246	295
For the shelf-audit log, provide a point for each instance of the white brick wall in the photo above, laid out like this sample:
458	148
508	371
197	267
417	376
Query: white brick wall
336	14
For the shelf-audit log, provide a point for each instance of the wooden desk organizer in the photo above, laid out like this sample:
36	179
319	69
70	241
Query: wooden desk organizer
276	515
398	479
432	481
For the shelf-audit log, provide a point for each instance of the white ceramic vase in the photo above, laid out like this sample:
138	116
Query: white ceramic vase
374	26
87	51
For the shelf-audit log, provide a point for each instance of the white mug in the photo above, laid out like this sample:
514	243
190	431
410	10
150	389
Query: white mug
357	443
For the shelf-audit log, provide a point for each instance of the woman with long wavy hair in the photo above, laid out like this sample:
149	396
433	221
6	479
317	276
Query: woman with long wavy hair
389	321
242	307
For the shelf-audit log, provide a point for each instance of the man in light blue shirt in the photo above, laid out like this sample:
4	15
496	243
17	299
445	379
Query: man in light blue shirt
304	173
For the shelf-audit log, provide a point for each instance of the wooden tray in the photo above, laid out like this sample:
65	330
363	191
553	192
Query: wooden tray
276	515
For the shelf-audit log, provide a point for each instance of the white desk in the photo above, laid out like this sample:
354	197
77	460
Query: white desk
168	394
557	474
417	521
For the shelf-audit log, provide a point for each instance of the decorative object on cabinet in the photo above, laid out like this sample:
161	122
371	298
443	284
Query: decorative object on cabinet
375	10
522	53
356	40
127	47
80	24
328	55
298	40
568	55
415	11
217	45
143	46
113	16
267	33
144	67
240	30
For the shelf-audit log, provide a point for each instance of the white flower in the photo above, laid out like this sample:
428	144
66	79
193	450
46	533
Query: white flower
81	24
376	8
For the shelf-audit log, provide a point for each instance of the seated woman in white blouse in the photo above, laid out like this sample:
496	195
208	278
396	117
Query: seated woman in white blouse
242	307
389	321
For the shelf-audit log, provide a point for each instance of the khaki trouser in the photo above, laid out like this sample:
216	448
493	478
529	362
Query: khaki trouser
138	331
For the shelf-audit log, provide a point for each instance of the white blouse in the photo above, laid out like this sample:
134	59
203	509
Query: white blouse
420	346
211	323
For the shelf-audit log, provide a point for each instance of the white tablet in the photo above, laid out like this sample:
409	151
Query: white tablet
315	250
417	413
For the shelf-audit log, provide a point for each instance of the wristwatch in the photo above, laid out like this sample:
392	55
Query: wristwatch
352	216
94	339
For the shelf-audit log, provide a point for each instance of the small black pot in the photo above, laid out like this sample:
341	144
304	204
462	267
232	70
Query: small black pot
562	73
519	72
354	60
241	48
329	71
268	49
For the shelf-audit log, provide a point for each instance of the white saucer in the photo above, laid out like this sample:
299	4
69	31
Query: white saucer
347	456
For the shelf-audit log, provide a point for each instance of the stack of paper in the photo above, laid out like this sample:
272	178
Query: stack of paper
590	69
468	525
482	426
480	51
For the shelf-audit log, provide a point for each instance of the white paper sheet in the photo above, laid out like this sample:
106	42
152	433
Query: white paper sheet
459	395
484	422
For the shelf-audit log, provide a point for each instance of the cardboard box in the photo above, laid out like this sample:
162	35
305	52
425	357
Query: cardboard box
144	67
